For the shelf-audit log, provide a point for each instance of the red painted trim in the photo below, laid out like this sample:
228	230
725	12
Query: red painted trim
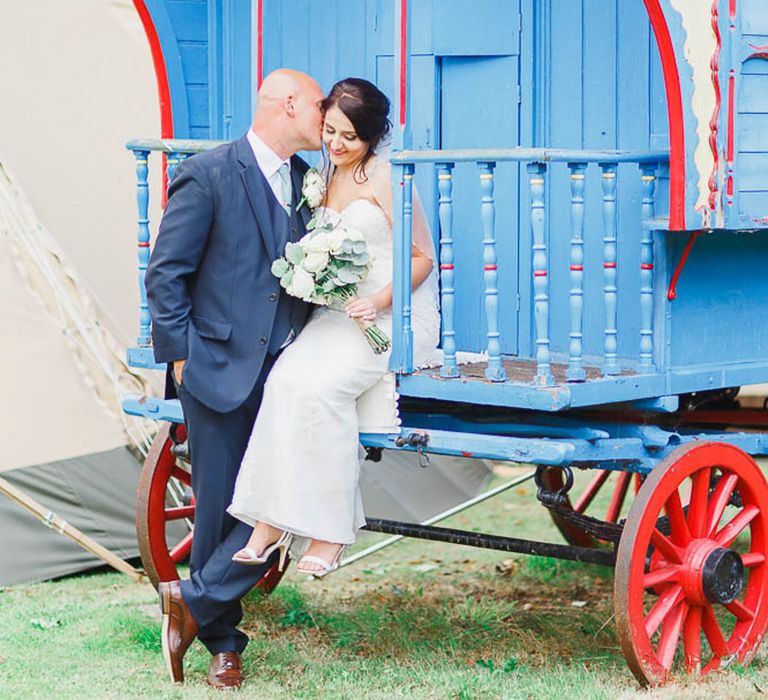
609	265
161	74
539	273
489	267
403	59
675	114
646	266
163	88
732	9
577	268
714	66
259	43
446	266
672	291
144	244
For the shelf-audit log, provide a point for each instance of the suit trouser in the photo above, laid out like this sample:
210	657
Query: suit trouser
217	442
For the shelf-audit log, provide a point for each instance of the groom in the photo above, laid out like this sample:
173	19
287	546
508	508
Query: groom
219	319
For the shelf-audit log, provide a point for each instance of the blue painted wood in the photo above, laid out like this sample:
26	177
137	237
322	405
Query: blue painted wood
646	270
153	408
576	371
494	371
447	265
540	266
402	341
142	201
610	263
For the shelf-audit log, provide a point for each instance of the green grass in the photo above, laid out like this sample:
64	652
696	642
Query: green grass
418	620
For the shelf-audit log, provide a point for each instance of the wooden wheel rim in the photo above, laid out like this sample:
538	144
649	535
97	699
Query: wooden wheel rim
679	612
160	561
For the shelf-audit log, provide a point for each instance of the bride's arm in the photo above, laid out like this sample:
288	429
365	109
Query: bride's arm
421	263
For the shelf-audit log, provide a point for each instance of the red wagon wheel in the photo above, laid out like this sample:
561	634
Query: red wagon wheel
691	588
160	508
619	484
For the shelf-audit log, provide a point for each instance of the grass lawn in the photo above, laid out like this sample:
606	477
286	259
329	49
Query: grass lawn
417	620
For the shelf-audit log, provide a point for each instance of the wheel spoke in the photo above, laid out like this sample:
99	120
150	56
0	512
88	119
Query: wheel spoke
752	559
617	499
666	548
182	549
179	513
667	600
713	633
719	501
639	479
591	491
679	531
697	512
660	576
692	640
182	475
736	525
741	611
670	633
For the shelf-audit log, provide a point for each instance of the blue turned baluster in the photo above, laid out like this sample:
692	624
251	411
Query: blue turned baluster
543	376
575	371
142	200
646	268
172	161
445	211
401	301
495	370
611	364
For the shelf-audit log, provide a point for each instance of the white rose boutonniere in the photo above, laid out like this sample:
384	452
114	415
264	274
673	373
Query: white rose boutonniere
312	190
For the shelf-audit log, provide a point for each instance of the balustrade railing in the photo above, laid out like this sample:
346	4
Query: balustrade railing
173	151
537	161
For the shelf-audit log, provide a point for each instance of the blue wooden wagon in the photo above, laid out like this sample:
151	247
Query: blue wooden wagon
596	173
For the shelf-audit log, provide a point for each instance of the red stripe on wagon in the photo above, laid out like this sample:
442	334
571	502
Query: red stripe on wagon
646	266
539	273
609	266
489	267
446	266
577	268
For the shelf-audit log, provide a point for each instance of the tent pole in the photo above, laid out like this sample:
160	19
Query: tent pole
53	521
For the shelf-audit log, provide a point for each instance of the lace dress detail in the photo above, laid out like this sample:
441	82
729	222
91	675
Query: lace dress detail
301	469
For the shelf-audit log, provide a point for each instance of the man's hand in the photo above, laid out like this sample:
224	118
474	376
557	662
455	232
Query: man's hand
178	369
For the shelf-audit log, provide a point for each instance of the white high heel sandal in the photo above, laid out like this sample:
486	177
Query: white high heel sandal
326	566
251	558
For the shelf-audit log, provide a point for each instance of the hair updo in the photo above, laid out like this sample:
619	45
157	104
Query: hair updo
367	108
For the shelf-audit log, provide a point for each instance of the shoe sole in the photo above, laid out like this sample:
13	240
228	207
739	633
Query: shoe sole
165	607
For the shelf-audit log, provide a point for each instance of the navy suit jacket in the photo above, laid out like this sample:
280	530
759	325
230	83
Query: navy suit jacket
211	295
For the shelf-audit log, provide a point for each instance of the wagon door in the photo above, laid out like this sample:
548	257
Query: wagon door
478	106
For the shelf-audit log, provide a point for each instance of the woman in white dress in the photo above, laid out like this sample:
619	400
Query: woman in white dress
299	475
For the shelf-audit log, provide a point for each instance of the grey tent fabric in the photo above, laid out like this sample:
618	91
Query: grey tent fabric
95	493
397	488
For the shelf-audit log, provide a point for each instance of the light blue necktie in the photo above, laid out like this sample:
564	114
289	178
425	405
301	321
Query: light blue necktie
284	172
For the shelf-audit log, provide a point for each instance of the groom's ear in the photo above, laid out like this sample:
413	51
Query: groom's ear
289	105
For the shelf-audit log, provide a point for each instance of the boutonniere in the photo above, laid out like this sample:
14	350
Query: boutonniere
312	190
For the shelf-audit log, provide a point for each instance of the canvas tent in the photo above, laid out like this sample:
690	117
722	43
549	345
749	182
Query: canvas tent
77	83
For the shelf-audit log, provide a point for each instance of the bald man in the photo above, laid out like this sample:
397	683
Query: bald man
219	319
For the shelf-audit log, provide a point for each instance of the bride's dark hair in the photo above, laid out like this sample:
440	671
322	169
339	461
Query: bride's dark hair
367	108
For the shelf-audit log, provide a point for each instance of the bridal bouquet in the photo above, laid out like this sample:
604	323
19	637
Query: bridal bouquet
324	268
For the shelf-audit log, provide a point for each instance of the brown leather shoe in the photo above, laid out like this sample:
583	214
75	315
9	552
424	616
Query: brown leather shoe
225	670
179	629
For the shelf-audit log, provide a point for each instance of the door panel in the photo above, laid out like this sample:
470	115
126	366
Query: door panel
479	108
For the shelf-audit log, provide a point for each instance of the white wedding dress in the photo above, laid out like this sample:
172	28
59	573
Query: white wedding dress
301	469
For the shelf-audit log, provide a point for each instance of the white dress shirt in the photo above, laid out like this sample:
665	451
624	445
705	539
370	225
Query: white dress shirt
269	163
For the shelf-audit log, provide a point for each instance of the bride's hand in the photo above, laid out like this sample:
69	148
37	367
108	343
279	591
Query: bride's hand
365	308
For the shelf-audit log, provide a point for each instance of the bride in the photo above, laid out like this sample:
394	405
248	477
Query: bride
300	473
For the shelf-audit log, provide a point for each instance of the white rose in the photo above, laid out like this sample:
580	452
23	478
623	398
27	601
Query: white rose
302	285
316	242
313	188
315	260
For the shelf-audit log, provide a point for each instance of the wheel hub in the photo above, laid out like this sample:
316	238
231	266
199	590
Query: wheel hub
723	576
